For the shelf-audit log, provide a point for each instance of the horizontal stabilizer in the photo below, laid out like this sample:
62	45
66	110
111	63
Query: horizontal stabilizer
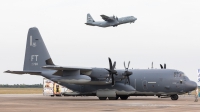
23	72
55	67
83	70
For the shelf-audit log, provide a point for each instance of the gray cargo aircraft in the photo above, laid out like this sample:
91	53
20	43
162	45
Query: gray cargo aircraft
110	21
104	83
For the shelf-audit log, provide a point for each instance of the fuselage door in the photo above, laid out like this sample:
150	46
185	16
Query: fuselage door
181	85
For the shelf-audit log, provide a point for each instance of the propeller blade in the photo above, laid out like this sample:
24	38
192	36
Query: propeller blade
164	66
113	67
110	63
128	80
124	65
125	80
128	64
108	70
113	80
161	66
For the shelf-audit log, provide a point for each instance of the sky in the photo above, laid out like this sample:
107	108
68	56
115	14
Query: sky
166	31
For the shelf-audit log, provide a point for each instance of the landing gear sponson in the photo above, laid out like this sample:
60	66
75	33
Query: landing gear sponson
114	98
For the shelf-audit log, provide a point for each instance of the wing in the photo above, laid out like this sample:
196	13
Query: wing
83	70
106	18
23	72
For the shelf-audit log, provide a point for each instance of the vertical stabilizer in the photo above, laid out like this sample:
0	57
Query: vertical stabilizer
36	54
89	18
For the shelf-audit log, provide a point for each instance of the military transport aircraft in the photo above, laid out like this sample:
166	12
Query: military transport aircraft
110	21
104	83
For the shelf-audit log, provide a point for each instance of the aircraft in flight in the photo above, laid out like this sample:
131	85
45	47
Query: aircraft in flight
104	83
109	21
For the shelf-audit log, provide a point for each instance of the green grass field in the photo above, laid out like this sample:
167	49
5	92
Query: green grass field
21	90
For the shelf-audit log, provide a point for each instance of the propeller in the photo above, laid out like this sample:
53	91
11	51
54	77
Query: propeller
111	71
127	73
116	18
162	66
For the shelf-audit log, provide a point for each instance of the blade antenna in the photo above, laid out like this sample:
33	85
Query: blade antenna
161	66
164	66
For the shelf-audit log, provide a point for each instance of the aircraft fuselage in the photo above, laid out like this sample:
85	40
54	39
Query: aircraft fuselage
147	82
123	20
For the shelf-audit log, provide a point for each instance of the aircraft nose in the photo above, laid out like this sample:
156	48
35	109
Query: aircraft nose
134	19
191	85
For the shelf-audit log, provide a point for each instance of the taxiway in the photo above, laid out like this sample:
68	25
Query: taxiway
40	103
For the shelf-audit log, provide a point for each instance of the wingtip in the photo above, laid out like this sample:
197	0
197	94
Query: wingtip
7	71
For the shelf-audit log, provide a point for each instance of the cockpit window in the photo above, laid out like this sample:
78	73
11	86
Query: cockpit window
179	74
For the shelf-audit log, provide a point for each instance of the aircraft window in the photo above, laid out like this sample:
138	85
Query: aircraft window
178	74
185	78
175	74
182	74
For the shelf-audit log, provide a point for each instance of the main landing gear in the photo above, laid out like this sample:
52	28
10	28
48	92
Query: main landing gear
102	98
174	97
123	97
114	98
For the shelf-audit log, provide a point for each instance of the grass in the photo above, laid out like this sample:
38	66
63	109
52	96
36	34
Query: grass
21	90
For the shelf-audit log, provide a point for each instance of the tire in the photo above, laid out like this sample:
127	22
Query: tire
123	97
113	98
102	98
174	97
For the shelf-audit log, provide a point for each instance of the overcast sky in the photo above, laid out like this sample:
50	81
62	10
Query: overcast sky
166	31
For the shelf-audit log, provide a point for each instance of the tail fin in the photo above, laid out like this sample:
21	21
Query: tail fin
36	54
89	18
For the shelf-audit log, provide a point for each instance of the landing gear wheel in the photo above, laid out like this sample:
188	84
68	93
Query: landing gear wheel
113	98
123	97
174	97
102	98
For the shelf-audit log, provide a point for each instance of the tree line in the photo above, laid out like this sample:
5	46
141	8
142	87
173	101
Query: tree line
21	86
